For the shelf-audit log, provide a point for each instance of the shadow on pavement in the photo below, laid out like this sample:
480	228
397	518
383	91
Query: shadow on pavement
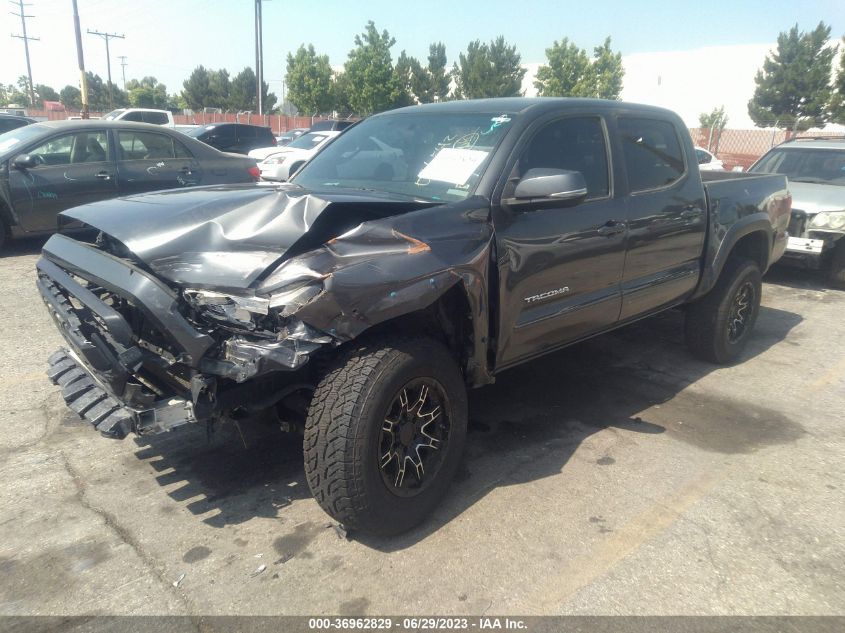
523	428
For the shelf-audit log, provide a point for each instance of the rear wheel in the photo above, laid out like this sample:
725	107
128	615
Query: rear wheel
719	324
385	433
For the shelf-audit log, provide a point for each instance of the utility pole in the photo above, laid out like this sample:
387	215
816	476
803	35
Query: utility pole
107	37
122	59
83	81
23	16
259	58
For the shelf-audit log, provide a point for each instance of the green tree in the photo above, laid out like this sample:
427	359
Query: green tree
309	81
196	90
571	73
837	101
567	73
488	71
793	87
71	97
147	93
715	118
372	84
404	75
44	93
340	95
430	83
218	88
608	72
242	93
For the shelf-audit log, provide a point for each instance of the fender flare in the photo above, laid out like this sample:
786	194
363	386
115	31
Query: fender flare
718	254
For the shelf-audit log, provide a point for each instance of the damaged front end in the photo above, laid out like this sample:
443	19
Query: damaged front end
161	332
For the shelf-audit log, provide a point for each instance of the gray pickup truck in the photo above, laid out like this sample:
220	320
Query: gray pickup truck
421	253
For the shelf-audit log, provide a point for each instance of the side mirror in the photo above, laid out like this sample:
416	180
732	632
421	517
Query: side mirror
25	161
550	184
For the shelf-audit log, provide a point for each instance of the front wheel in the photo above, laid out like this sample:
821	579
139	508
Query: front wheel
385	432
836	273
719	324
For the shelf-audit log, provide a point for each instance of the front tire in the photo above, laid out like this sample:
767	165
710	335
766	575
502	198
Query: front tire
836	273
718	325
385	433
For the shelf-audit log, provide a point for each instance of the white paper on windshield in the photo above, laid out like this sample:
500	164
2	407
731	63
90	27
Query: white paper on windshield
453	165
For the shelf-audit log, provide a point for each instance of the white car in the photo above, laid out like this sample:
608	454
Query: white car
708	161
278	163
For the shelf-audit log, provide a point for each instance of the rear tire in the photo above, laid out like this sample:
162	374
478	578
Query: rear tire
719	324
836	273
385	433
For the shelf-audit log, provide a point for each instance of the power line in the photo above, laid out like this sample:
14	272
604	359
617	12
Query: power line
23	16
107	37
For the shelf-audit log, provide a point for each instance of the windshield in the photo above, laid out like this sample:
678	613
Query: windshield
825	166
308	141
111	116
17	137
434	156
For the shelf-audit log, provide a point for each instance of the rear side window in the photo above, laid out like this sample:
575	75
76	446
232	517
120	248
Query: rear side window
573	144
134	116
180	150
144	145
156	118
652	152
246	131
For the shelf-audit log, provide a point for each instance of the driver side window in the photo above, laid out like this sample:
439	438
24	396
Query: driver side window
82	147
576	144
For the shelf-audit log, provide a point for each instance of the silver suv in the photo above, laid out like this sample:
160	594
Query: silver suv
816	171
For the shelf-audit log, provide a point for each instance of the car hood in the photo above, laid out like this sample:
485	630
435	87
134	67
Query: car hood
814	198
226	236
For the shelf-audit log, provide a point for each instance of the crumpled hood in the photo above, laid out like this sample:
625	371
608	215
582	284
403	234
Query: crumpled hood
227	236
814	198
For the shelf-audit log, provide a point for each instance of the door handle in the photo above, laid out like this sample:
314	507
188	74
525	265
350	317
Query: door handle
611	228
186	170
691	213
103	175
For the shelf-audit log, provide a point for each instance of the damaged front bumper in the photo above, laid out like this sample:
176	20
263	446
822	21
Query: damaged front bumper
121	382
86	396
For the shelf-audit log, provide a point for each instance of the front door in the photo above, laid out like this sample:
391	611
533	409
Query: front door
73	169
560	265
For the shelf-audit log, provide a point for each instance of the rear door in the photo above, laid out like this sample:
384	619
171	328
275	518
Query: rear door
247	138
148	161
560	264
666	215
73	169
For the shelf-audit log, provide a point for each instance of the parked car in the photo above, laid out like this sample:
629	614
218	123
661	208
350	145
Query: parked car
330	125
708	161
361	308
46	168
12	122
816	171
290	135
238	138
278	163
142	115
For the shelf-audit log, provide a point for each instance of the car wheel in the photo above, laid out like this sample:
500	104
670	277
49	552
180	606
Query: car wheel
719	324
385	432
836	273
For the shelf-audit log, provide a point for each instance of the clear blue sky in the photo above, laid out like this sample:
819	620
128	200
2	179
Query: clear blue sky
168	38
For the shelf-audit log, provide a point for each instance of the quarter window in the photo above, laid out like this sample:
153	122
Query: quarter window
652	152
575	144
